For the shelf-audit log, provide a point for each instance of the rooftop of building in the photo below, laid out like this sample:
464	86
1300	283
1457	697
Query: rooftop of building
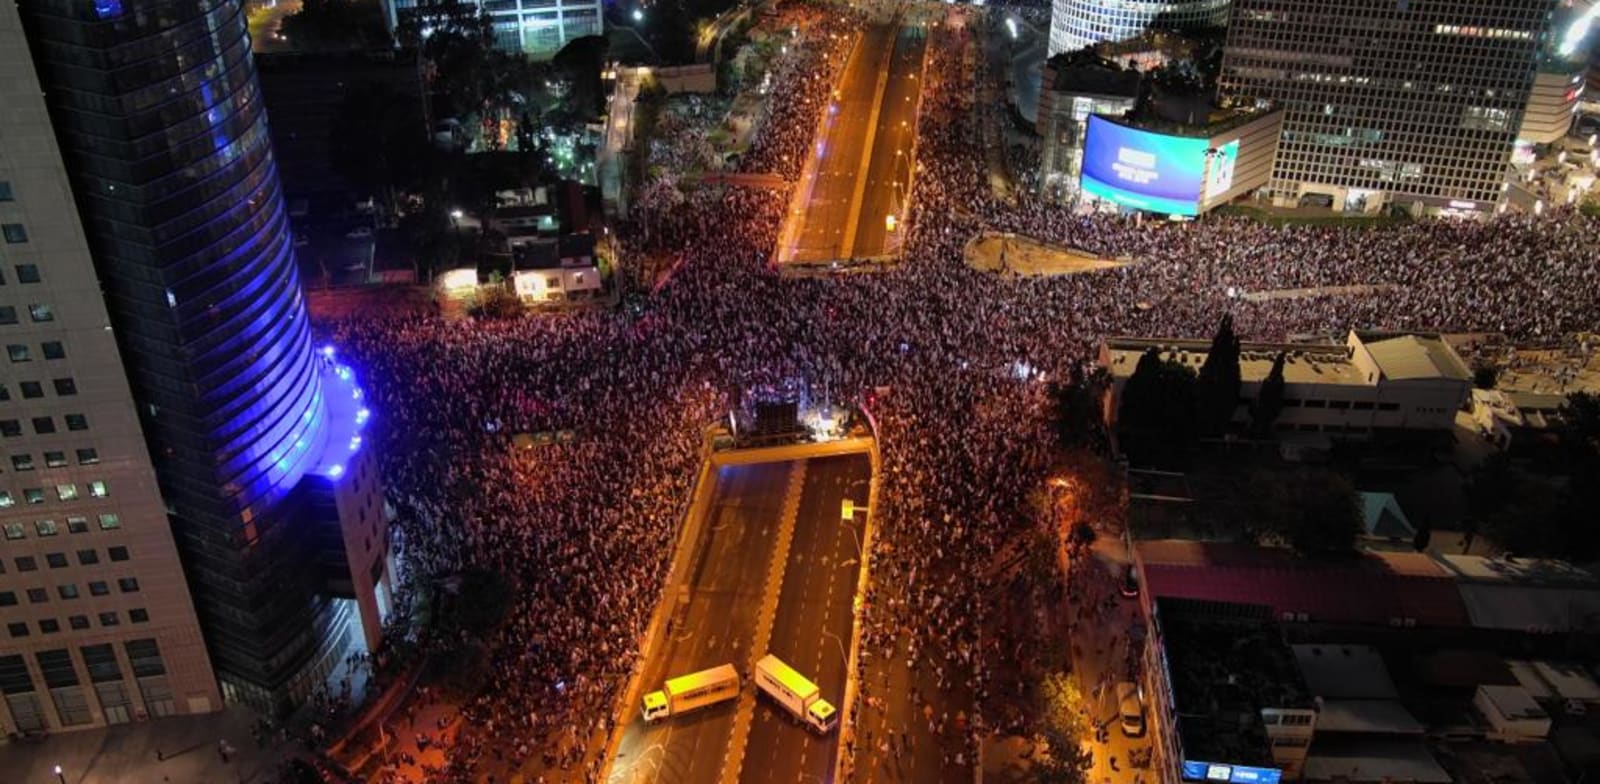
1413	355
1085	73
1358	759
1223	674
1400	357
1368	589
1304	363
1345	672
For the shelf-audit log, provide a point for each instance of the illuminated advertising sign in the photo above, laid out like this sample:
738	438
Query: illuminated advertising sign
1219	168
1145	170
1231	774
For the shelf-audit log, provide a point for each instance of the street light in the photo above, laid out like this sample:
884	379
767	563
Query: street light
638	16
60	777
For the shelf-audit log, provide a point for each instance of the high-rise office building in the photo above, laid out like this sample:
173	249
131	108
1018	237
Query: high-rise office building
98	623
254	433
1398	101
537	28
1075	24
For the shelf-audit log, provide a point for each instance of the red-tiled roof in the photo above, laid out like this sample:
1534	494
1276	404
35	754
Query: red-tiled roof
1370	589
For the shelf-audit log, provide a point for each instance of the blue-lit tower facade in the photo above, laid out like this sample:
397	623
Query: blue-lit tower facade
254	431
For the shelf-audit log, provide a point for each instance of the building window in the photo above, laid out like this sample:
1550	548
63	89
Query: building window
8	315
22	462
14	530
18	629
53	349
27	273
67	492
55	459
14	232
65	386
10	428
5	393
109	619
8	599
88	557
77	525
56	560
38	596
45	527
49	626
26	563
19	353
77	422
117	553
138	615
41	312
109	521
31	390
98	588
44	425
5	191
78	622
68	591
88	456
128	584
98	489
33	495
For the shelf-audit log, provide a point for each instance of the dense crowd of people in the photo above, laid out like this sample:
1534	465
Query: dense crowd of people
955	360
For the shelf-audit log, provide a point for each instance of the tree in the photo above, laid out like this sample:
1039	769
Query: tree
1156	416
1217	388
332	25
1313	511
379	142
1063	728
1269	400
1077	408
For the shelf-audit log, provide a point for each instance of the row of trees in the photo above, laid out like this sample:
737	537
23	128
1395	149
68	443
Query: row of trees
1166	406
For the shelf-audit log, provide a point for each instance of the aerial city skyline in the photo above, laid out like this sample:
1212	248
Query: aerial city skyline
799	390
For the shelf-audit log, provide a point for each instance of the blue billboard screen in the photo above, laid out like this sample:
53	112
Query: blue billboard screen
1143	170
1194	770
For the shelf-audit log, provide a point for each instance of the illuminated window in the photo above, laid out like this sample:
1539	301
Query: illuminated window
98	490
55	459
77	525
109	522
45	527
67	492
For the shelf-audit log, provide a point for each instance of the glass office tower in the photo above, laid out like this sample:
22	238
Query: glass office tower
1390	102
254	432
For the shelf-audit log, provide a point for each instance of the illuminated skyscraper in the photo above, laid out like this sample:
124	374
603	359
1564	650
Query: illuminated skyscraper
254	433
1410	102
1075	24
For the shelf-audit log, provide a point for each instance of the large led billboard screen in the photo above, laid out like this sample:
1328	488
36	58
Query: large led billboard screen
1148	171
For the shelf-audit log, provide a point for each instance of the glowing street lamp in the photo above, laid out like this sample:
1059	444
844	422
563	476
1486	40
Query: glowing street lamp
60	777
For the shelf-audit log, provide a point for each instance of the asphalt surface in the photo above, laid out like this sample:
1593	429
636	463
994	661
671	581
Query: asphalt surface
811	631
735	550
889	174
841	143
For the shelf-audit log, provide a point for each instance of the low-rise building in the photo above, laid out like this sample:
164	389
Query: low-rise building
1373	383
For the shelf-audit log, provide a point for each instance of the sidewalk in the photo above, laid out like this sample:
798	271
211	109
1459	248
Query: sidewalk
126	754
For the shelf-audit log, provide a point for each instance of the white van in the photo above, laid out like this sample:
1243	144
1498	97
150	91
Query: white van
1130	710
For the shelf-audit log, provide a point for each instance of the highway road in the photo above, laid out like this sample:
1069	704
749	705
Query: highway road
735	550
840	146
814	621
889	174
